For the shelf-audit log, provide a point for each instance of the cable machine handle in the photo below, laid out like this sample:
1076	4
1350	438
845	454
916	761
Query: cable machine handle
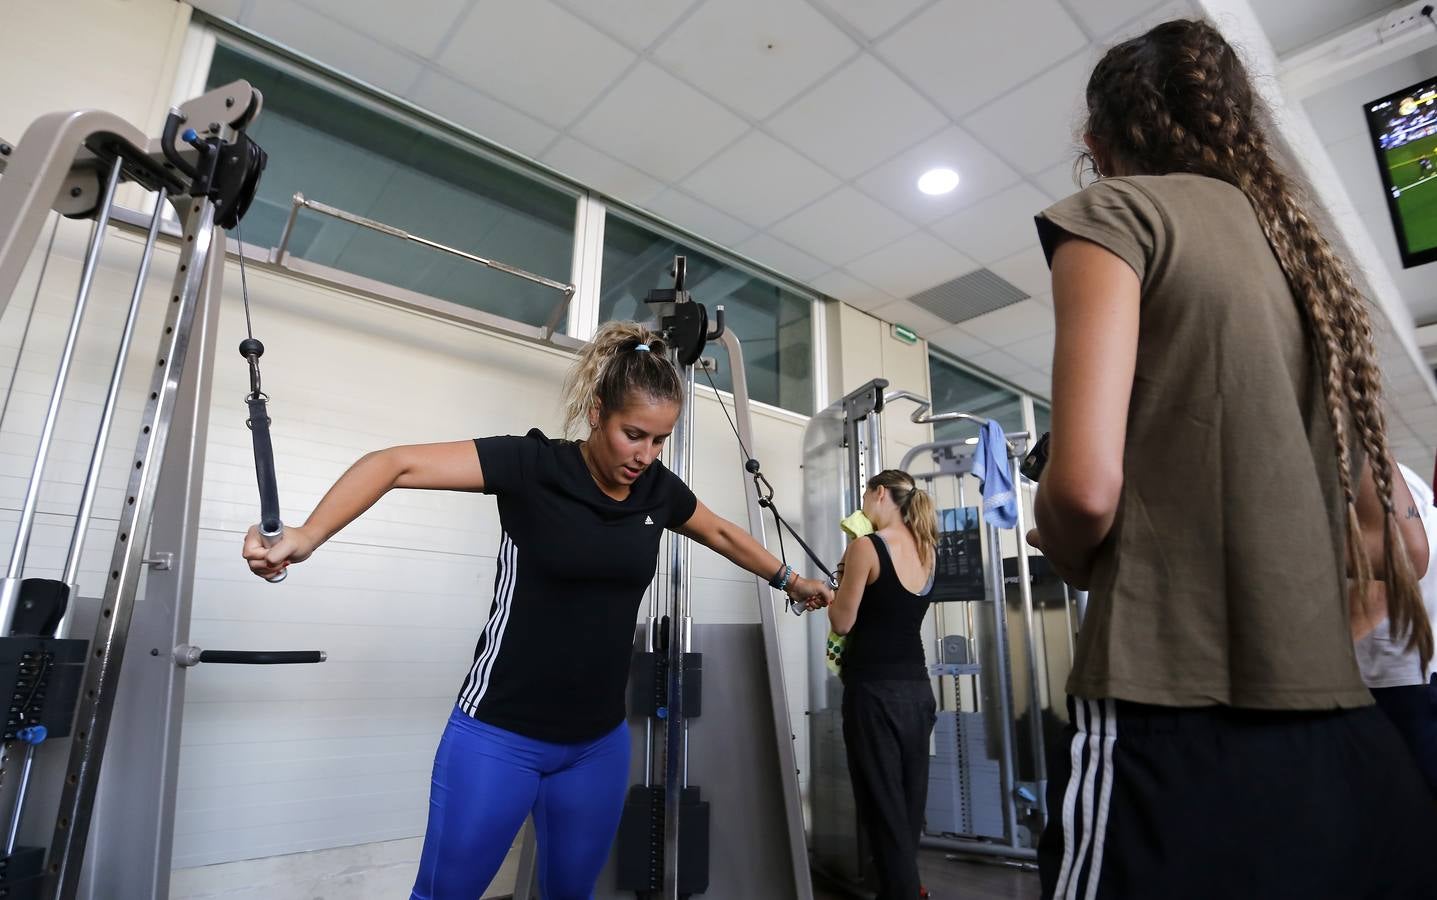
187	656
271	527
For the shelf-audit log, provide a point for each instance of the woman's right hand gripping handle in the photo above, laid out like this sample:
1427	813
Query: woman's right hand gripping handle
267	561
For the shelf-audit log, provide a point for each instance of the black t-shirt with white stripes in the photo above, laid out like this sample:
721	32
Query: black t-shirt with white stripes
553	658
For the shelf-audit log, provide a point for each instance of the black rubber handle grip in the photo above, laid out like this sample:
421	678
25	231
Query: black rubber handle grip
269	520
262	657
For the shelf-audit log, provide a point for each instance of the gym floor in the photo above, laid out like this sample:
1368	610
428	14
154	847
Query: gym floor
951	879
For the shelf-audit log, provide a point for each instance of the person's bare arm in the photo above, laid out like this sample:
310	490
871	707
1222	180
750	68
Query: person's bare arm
1409	521
738	546
860	564
449	466
1096	298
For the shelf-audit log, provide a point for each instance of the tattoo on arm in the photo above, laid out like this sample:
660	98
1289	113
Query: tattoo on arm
1412	512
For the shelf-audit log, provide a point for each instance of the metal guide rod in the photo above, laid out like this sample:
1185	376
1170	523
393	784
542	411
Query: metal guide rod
1025	592
102	675
303	202
674	772
112	399
686	604
26	767
1007	772
32	183
651	630
10	587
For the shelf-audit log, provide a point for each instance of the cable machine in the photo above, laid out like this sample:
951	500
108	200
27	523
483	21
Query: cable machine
110	832
987	786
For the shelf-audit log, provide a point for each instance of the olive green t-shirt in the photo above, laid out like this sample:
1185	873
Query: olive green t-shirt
1223	578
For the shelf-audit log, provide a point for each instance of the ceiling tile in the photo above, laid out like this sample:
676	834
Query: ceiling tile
1101	17
840	285
963	54
1057	181
857	118
1290	27
700	218
999	362
1026	270
656	123
958	342
1178	9
754	55
981	173
1034	382
902	312
224	9
997	227
782	258
1035	351
333	44
1020	322
874	17
601	172
1037	126
912	264
396	23
759	180
636	23
481	114
495	50
841	227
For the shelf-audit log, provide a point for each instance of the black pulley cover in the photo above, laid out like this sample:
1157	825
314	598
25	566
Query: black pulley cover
236	179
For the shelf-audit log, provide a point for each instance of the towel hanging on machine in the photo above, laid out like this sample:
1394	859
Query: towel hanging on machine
990	463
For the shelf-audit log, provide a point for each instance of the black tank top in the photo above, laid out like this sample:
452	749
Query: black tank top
884	643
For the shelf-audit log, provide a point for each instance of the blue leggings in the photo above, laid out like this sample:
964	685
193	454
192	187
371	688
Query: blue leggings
486	780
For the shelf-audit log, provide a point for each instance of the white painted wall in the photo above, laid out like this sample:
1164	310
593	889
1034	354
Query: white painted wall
116	55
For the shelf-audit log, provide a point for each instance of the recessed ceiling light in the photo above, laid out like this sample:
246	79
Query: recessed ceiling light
938	181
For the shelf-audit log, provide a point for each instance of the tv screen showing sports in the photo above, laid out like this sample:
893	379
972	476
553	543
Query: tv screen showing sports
1404	131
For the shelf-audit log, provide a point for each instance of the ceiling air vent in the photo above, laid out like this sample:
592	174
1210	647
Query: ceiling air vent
968	296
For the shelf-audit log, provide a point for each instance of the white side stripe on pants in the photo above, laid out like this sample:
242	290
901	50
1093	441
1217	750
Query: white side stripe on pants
1110	737
1070	796
1096	731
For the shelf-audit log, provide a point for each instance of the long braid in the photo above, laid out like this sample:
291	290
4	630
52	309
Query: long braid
1178	99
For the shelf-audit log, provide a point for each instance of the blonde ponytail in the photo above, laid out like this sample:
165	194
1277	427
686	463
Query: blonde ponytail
919	514
624	358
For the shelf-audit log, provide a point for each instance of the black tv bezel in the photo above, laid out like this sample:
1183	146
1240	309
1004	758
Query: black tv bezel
1409	259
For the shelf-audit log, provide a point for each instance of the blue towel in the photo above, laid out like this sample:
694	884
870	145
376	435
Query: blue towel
990	463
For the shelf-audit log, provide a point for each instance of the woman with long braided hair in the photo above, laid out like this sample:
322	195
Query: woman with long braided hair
1220	481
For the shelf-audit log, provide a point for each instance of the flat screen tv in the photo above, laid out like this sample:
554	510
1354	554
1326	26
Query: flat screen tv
1404	135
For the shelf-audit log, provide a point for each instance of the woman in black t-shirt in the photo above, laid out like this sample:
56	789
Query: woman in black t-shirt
534	730
888	704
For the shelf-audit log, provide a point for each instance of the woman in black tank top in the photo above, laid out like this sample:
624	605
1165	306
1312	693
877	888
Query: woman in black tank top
888	704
